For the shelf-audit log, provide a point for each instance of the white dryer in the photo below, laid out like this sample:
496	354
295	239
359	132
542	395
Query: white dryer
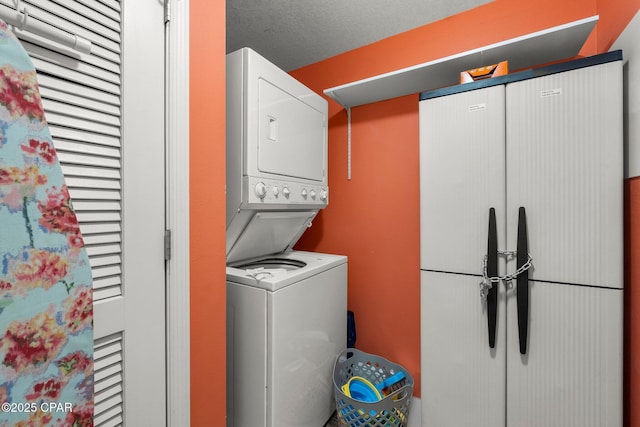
276	157
286	322
286	310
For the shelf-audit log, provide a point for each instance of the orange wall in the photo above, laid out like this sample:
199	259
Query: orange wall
632	302
381	240
207	207
374	218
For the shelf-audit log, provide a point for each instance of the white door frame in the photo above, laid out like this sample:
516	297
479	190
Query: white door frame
177	215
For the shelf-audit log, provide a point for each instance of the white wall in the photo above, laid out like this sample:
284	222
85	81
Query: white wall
628	42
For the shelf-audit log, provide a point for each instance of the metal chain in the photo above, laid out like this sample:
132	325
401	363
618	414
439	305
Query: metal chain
487	282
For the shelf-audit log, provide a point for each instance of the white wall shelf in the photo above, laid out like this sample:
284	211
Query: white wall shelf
552	44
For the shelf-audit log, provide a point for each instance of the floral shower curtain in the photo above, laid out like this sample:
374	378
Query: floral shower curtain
46	305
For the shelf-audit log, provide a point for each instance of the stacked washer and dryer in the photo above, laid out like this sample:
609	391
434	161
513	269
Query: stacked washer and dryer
286	309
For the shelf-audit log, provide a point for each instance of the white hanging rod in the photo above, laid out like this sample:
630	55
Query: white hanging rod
21	21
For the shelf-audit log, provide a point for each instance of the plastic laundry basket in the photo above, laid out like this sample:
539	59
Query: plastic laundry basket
391	411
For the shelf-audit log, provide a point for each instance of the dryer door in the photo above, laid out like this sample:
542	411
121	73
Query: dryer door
291	137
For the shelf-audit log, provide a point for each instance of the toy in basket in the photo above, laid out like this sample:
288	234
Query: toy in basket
370	390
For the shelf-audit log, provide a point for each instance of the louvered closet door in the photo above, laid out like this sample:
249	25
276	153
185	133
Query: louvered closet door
105	112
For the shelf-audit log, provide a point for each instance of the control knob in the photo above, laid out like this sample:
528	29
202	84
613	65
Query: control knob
286	192
260	190
304	193
313	194
323	195
276	191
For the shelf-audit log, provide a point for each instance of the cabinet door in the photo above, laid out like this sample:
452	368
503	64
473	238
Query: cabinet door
462	377
571	374
461	178
565	166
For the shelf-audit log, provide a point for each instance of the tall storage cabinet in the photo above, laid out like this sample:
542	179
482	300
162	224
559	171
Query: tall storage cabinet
532	163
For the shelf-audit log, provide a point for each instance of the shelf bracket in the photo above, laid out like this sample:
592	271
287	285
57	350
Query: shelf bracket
348	109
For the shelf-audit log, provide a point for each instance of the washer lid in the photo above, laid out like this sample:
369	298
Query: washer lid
273	263
269	233
273	279
271	267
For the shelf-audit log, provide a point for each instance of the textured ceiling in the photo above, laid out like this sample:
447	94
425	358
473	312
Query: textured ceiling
295	33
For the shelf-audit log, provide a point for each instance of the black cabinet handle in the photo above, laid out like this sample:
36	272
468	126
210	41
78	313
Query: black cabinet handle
522	281
492	271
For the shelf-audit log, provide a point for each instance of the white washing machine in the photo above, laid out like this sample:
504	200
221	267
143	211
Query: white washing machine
286	321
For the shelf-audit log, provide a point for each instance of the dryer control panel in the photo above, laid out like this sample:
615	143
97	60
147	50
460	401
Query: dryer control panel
269	192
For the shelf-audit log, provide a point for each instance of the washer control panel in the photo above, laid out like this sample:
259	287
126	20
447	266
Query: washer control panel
267	192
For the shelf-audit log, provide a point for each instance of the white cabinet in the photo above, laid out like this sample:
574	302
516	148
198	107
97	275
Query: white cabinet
544	150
